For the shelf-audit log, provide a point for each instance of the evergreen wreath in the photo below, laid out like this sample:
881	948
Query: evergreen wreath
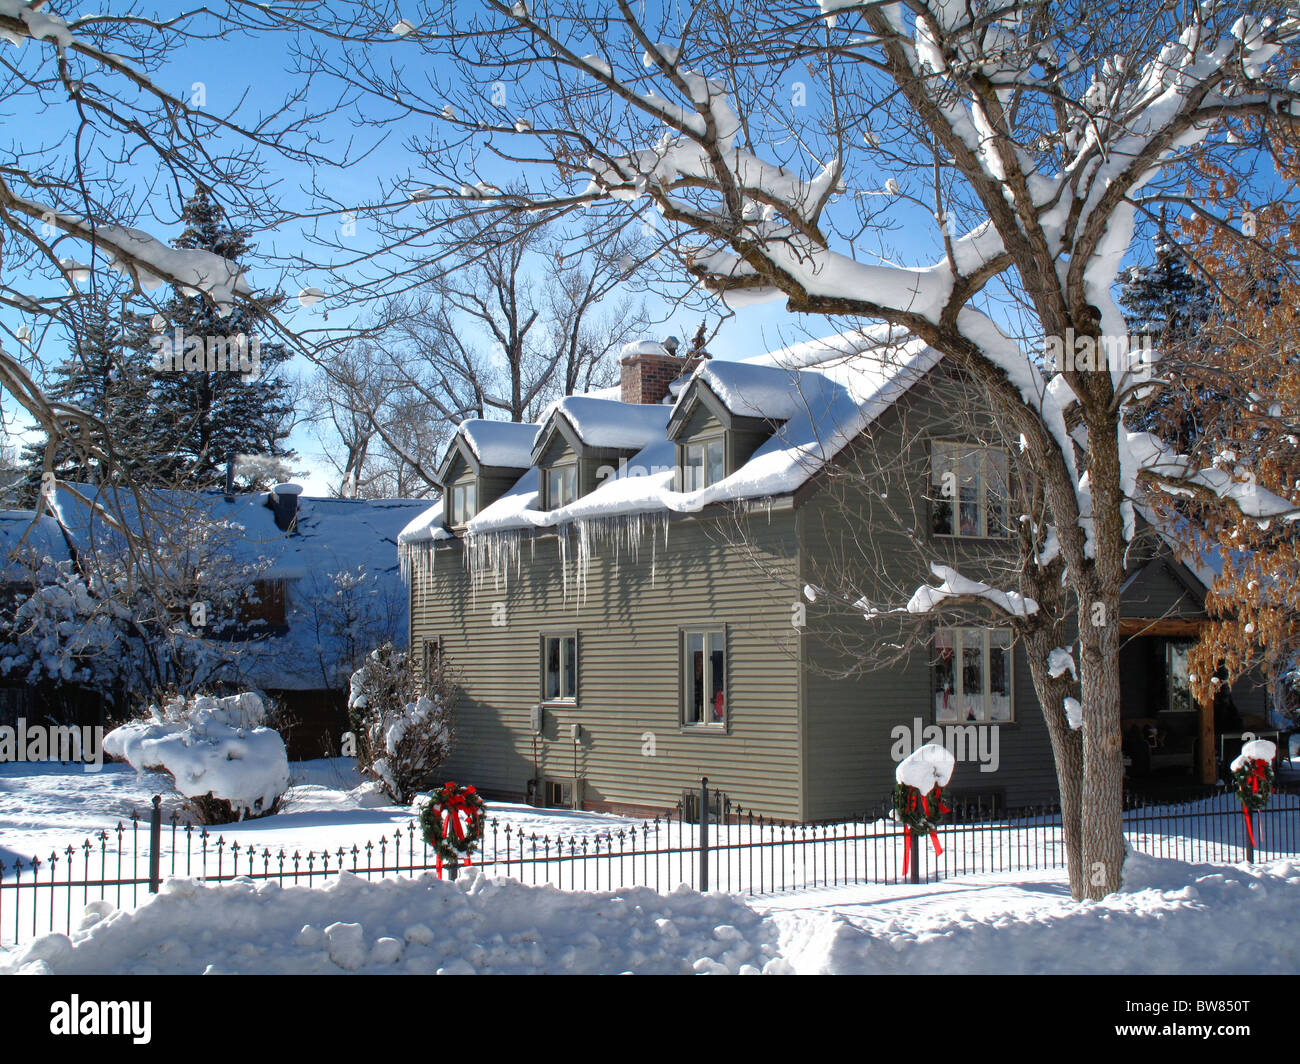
920	816
453	820
1253	782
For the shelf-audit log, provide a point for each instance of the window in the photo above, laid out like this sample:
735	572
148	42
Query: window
972	675
559	668
1178	685
464	502
561	485
705	682
432	662
267	603
970	488
702	464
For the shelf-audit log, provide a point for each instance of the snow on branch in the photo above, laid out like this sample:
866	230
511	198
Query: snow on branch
956	590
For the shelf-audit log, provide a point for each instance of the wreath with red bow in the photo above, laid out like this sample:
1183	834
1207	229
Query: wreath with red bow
918	813
452	820
1253	782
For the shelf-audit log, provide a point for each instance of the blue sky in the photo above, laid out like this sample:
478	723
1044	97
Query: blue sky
256	67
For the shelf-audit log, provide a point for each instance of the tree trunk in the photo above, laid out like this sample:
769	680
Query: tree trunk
1099	613
1067	750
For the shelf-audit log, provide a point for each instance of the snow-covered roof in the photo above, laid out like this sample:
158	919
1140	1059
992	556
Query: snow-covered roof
500	443
29	546
823	393
608	422
762	391
331	537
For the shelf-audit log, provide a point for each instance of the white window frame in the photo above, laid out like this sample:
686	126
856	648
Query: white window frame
960	638
457	504
560	697
568	472
709	633
946	456
702	447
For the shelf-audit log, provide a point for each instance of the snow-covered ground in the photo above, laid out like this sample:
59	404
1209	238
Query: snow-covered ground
1170	917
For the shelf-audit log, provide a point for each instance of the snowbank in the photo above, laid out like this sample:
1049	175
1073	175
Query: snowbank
216	746
475	925
1169	917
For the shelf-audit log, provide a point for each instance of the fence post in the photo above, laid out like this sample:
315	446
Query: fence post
155	843
1250	830
704	833
914	856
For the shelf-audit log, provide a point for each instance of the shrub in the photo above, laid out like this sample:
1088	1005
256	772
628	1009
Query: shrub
402	725
218	751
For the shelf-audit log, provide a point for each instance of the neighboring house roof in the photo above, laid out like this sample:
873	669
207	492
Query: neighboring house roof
330	537
822	394
30	546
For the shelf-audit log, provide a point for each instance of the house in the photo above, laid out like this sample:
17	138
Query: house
629	591
314	586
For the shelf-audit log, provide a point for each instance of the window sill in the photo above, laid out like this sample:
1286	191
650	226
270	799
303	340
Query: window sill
703	729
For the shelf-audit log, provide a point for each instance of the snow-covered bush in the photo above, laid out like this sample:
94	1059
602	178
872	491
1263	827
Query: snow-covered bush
218	751
402	724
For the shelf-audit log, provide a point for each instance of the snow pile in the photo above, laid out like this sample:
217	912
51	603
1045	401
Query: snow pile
426	926
926	767
1170	917
216	747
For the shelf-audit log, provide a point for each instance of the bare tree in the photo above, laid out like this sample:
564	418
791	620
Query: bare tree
520	315
1023	141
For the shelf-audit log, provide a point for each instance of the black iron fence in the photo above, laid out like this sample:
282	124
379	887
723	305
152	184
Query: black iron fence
727	848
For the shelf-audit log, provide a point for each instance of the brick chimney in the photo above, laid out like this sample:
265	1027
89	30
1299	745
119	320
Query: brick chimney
648	369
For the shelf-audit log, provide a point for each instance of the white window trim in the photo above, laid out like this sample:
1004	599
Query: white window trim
710	726
562	467
562	699
703	442
959	637
982	497
453	518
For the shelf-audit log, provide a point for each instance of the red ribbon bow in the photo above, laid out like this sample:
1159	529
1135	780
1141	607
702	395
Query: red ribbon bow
453	807
907	830
1257	768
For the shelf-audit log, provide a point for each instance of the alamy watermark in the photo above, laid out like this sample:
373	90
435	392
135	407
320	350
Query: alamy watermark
179	352
1085	354
975	743
52	742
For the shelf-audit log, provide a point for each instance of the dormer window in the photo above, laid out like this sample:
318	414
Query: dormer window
703	463
463	502
969	489
561	485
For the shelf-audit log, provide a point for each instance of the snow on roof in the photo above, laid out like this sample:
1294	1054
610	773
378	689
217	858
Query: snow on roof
825	392
331	537
751	390
609	423
500	443
29	545
852	394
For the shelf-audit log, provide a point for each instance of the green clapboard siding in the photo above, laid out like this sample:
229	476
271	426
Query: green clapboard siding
629	672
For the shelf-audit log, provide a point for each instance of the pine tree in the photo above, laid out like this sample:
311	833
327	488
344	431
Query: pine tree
105	376
1168	304
202	414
